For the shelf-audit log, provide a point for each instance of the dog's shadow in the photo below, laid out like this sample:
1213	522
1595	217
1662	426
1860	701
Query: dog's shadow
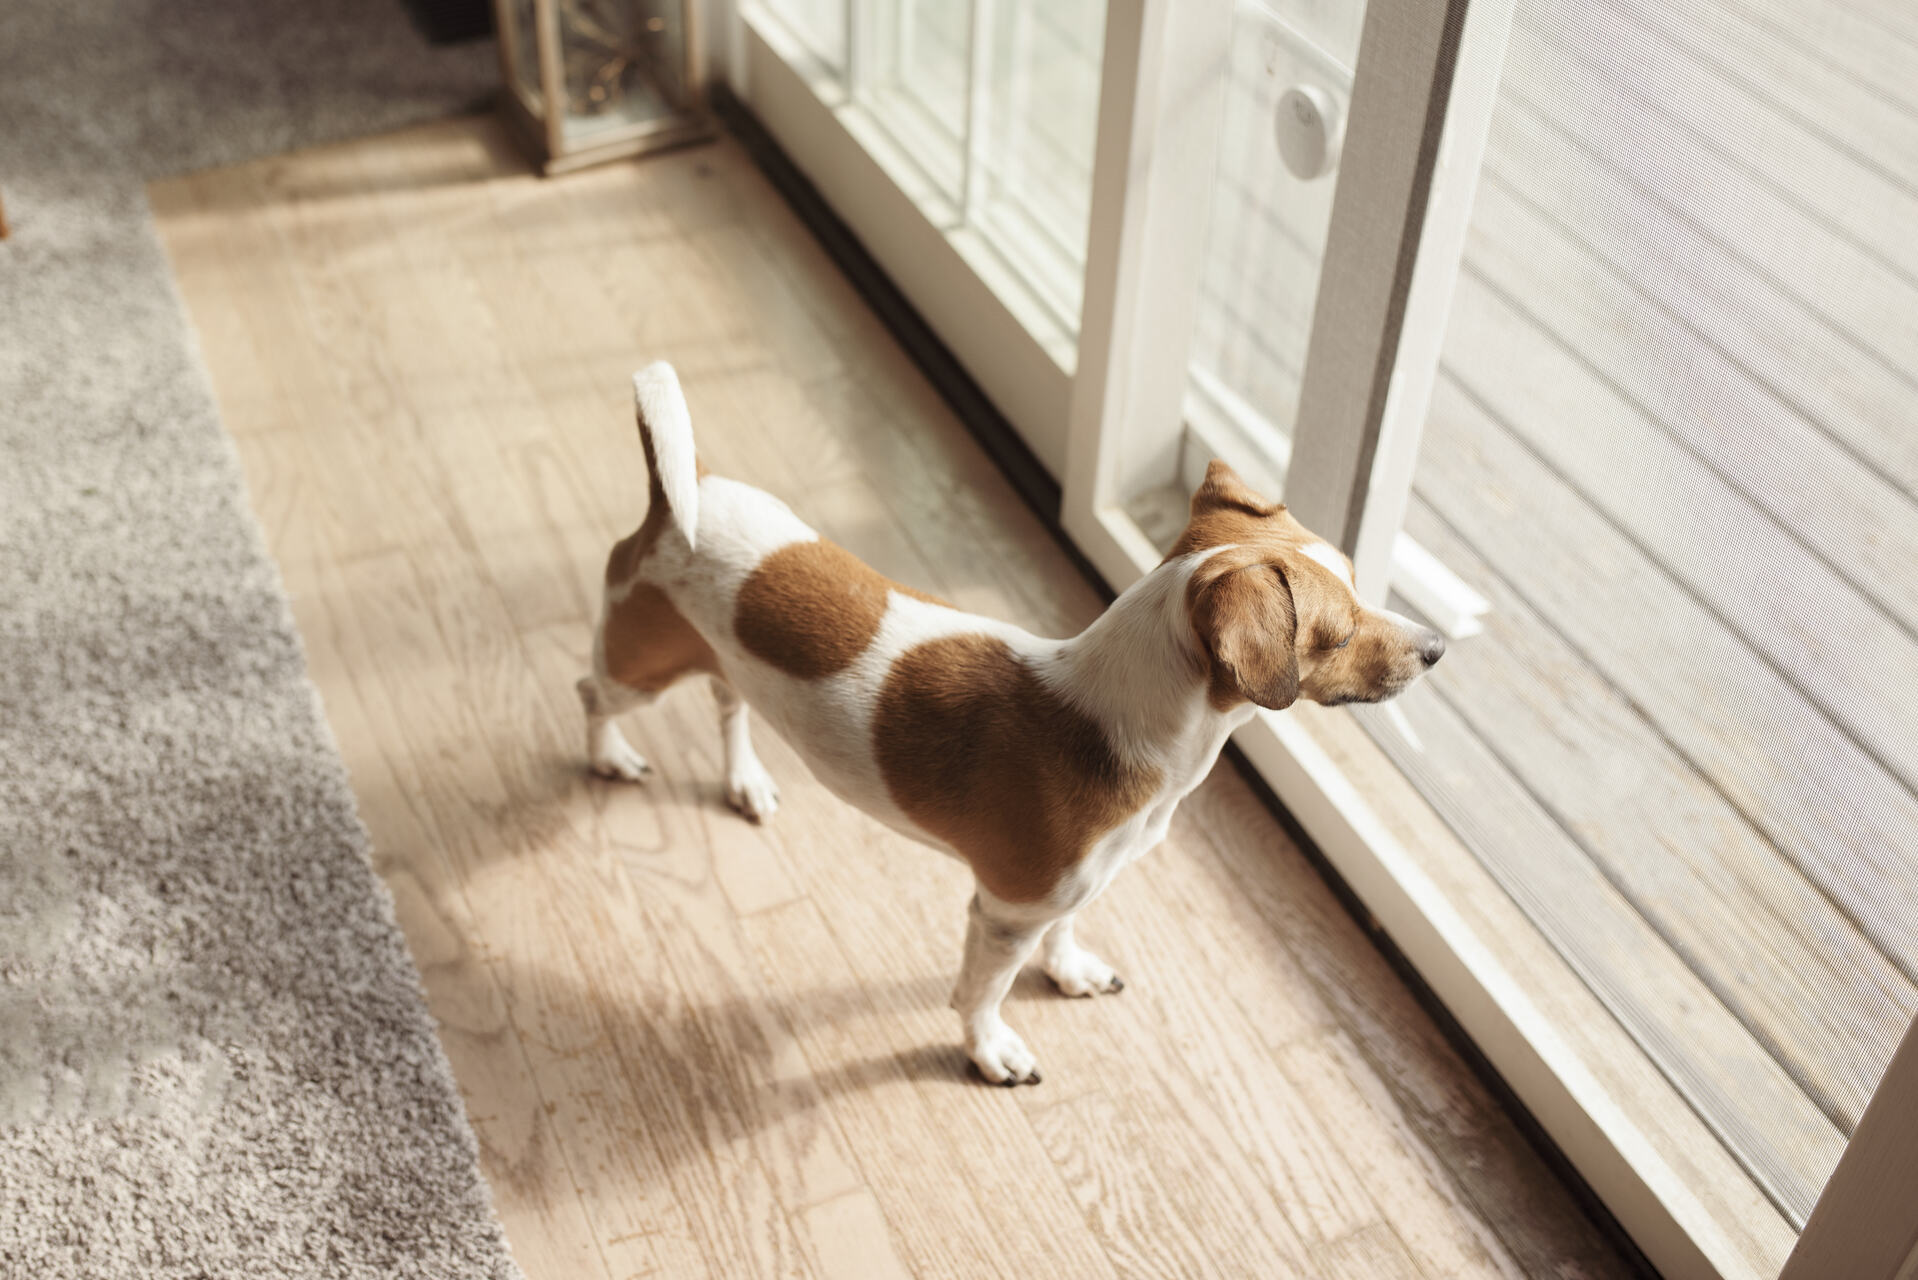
684	1076
739	1056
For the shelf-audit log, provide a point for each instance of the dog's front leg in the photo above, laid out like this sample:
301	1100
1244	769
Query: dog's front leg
998	941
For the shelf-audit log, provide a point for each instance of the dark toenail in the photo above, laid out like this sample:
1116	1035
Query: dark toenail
1010	1082
1118	983
1035	1077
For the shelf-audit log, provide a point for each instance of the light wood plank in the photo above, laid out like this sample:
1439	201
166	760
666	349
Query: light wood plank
1372	1253
1704	686
1857	48
850	1239
1521	745
1734	306
1598	54
1490	1167
1744	430
1891	16
861	1045
1788	70
1867	302
1844	656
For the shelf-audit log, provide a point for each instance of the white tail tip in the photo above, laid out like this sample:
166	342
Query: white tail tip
667	425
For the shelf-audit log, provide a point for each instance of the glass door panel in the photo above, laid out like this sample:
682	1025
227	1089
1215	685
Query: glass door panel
818	25
1289	77
997	101
1041	116
956	138
917	91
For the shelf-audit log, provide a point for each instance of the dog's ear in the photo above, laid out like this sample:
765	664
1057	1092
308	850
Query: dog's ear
1245	619
1224	487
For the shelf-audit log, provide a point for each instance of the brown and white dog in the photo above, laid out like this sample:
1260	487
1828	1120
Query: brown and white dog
1045	765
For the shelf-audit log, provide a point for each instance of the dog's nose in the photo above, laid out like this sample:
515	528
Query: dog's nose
1431	647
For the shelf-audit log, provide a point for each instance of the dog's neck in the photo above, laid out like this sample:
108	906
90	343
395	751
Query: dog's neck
1139	670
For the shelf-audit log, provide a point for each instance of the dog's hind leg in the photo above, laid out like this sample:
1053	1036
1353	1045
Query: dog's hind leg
749	787
602	698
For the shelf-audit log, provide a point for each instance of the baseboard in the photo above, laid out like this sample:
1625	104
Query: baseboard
450	21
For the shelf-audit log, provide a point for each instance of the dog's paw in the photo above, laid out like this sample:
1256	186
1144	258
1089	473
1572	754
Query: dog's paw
1080	973
615	758
753	793
1002	1057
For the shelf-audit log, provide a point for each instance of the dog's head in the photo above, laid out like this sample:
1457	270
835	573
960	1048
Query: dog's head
1275	612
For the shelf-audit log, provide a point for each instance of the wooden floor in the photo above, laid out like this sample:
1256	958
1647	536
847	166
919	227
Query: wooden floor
691	1046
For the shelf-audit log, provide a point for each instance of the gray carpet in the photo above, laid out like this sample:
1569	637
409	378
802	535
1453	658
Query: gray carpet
214	1055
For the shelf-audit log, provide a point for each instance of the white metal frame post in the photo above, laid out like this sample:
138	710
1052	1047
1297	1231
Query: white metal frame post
1397	234
1162	89
1865	1225
974	137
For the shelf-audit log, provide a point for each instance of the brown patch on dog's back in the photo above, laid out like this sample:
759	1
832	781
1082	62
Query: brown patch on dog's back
811	608
975	749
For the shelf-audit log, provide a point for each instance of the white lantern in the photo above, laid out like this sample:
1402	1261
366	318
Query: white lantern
593	80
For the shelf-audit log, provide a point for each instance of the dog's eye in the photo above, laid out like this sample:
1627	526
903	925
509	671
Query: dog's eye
1340	644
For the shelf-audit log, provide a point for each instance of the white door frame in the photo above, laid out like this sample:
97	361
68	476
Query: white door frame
1162	90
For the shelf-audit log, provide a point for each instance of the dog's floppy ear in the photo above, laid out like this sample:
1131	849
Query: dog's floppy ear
1224	487
1247	623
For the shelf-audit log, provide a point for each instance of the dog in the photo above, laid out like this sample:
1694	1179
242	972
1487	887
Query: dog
1044	765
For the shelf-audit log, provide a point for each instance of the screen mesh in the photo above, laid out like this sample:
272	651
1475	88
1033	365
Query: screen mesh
1672	444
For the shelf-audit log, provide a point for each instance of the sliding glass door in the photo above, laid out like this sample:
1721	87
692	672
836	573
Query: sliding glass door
1588	331
957	140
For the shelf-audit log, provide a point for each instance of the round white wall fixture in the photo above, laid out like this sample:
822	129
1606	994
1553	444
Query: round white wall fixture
1310	127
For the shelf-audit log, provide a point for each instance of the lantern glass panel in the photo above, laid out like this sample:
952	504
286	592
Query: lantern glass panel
525	51
624	64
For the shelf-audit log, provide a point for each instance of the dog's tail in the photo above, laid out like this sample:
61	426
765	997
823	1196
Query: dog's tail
666	432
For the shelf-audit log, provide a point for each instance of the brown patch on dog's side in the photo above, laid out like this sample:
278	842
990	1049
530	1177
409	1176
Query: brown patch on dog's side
810	608
975	749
